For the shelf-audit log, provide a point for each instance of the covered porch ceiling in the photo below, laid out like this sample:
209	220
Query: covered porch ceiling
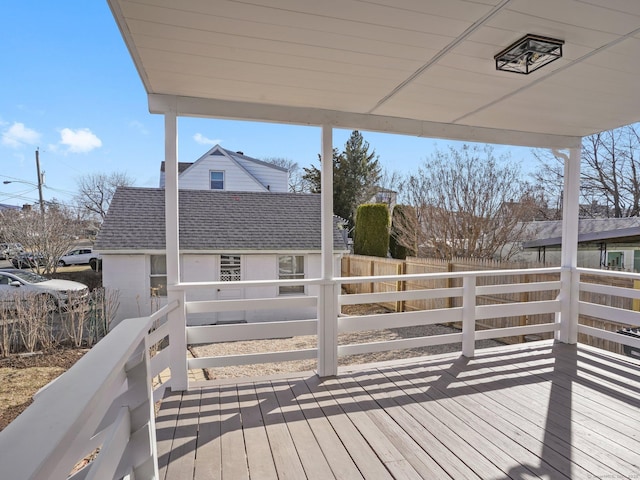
416	67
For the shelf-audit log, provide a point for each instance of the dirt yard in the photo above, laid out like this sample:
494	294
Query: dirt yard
310	342
21	376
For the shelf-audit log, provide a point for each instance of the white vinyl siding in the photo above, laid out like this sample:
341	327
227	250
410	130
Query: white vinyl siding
197	177
275	179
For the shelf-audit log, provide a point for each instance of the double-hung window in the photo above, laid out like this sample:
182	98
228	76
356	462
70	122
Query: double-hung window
158	275
290	267
216	178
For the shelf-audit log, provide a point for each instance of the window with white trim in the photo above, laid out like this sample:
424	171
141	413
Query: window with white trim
230	268
290	267
216	178
158	275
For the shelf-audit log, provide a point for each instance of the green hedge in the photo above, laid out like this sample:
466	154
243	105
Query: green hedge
371	235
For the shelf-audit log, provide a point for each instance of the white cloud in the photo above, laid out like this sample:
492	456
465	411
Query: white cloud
202	140
18	135
82	140
139	126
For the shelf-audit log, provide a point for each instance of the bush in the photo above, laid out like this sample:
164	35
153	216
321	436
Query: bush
371	235
35	323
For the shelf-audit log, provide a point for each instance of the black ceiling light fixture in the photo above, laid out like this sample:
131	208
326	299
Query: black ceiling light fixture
529	54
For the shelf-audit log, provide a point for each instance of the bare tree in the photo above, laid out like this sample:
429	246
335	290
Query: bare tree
296	182
609	174
48	235
95	191
466	203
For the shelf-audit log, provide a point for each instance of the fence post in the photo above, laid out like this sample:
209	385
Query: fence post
524	298
401	285
372	272
449	300
468	315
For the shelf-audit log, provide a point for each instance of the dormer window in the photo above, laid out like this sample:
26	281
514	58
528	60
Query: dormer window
217	180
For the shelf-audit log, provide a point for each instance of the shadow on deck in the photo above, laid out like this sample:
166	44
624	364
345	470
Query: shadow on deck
538	410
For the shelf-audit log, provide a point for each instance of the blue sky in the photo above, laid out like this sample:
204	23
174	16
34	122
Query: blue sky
69	88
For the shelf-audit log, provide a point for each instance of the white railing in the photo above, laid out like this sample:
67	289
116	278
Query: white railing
250	331
102	407
629	317
465	314
105	402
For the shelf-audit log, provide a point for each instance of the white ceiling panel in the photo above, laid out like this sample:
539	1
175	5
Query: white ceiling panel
420	67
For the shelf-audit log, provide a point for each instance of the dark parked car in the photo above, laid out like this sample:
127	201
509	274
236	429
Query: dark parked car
10	250
28	260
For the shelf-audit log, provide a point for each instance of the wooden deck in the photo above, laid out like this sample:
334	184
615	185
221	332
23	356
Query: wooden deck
533	411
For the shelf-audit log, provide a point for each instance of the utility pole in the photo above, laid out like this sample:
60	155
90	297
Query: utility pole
40	182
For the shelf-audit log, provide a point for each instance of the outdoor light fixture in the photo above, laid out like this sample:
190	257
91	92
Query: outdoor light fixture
529	54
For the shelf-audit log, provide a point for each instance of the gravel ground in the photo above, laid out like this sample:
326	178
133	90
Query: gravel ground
304	342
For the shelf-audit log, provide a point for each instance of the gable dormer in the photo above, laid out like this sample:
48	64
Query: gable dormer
221	169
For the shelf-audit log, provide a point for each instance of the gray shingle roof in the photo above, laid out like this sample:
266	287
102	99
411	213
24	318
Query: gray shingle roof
218	221
589	230
182	166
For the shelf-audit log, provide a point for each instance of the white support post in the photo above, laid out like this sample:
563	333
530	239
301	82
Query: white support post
177	318
469	316
569	278
328	296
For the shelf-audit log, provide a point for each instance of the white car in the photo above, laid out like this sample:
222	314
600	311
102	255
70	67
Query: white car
77	256
14	282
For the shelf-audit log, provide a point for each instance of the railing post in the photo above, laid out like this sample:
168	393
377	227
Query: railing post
568	297
468	316
328	329
177	321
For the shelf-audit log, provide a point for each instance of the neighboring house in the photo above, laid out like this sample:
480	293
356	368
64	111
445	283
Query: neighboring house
221	169
602	243
224	236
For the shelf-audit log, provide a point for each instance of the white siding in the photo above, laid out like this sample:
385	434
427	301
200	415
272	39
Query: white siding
129	276
275	179
235	178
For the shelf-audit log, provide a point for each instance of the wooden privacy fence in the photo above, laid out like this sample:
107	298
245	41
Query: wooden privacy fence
359	265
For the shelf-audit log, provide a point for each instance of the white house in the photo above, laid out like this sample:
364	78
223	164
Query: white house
224	236
221	169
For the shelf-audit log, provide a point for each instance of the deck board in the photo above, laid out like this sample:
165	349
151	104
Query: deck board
538	410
